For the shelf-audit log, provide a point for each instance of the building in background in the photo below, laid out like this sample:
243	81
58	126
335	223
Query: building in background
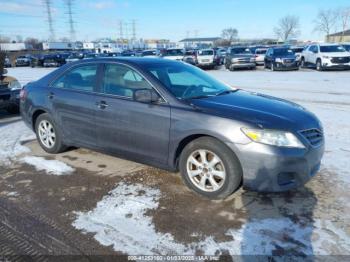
339	37
13	47
203	42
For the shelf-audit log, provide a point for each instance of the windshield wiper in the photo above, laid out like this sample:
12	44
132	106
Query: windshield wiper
198	97
227	92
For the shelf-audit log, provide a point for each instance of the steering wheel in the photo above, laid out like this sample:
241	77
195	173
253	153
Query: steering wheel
191	90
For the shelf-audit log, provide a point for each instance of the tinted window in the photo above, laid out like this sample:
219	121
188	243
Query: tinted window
81	78
240	51
122	81
332	49
260	51
282	51
205	52
174	52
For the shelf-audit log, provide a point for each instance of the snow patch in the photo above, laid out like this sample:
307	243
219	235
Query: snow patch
10	143
120	220
52	167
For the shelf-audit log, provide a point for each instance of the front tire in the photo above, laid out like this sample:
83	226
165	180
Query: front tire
48	135
210	168
319	65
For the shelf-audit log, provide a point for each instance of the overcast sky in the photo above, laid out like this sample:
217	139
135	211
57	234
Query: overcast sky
169	19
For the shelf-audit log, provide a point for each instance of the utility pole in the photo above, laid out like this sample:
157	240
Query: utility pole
133	22
121	31
48	4
69	4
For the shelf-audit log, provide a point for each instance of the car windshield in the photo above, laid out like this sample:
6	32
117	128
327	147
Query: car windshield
332	49
205	52
260	51
240	51
298	50
174	52
187	82
282	51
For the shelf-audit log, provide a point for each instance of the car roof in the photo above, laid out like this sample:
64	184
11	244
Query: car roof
133	61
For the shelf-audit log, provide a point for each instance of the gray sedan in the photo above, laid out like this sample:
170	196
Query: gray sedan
175	116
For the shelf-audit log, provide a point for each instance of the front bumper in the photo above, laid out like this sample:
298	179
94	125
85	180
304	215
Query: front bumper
330	65
275	169
284	66
243	65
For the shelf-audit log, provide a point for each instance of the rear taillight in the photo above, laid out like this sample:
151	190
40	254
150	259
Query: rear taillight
23	94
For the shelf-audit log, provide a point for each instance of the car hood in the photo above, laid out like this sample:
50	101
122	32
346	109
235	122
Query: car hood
286	56
336	54
259	110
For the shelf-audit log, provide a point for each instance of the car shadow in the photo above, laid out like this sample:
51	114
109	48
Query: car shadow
279	224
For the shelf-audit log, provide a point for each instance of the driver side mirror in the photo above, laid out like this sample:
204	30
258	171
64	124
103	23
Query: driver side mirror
147	96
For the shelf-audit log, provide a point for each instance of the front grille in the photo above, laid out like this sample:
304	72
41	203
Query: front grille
340	60
288	61
314	136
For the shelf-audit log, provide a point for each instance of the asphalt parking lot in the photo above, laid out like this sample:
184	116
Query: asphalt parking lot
86	203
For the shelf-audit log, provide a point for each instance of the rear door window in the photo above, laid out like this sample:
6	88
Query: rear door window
121	80
82	78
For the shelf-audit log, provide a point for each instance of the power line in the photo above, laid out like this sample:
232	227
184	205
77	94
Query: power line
69	4
48	4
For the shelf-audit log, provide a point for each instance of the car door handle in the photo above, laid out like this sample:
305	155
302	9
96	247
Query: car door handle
102	105
51	95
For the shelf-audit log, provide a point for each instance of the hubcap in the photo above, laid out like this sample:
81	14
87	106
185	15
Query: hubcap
47	134
206	170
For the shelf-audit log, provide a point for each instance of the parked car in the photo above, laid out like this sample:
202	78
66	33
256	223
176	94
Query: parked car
190	57
7	62
74	57
128	53
174	54
281	58
23	60
150	53
326	56
239	57
91	56
346	46
55	60
260	56
9	93
206	58
297	50
175	116
220	56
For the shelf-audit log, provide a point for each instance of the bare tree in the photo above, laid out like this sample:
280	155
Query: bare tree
325	21
288	27
35	43
229	34
344	14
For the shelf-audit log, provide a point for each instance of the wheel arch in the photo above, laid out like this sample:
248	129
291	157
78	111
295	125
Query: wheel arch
35	116
188	139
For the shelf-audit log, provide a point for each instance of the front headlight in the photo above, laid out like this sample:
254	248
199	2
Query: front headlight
273	137
15	85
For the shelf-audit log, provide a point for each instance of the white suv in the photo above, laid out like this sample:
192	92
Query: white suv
206	58
325	56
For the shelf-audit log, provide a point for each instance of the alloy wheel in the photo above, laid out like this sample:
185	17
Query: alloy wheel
206	170
46	134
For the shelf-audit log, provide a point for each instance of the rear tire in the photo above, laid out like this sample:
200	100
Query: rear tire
210	168
48	135
302	63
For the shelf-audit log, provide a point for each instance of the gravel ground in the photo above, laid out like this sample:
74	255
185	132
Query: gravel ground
103	205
